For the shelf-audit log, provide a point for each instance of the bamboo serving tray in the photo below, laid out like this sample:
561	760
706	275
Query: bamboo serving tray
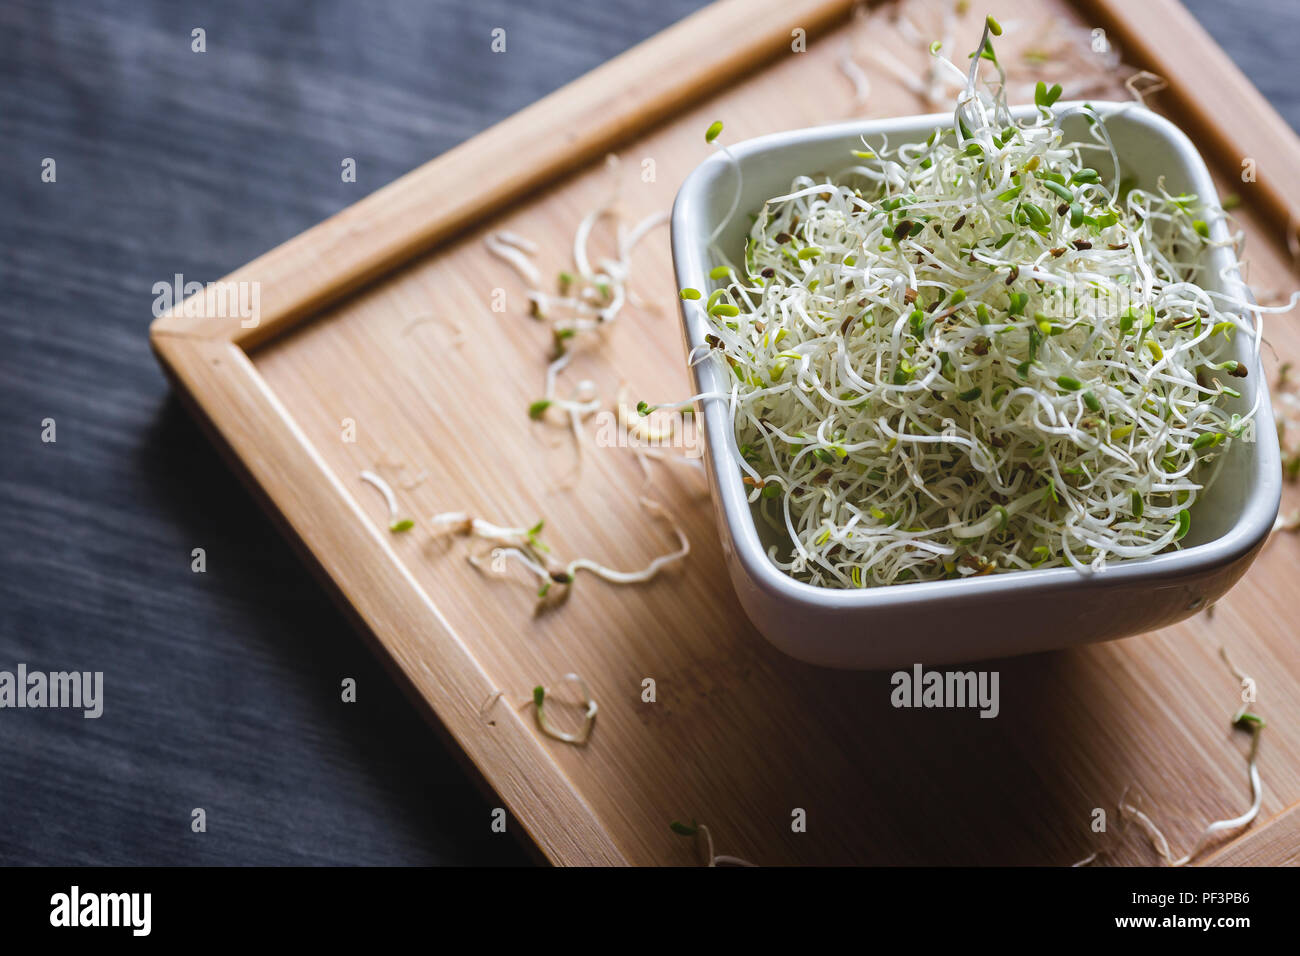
382	316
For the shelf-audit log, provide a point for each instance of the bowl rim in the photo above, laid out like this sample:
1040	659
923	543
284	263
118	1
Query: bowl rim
1262	495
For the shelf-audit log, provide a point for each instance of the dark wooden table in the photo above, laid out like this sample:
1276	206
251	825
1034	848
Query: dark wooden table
222	689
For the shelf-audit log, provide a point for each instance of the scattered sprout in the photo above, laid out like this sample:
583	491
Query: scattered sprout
850	68
713	132
544	724
1250	723
704	845
514	250
1286	409
523	547
1242	720
1285	522
395	523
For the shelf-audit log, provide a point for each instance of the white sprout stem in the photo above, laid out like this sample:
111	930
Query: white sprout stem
1285	522
1236	671
637	425
451	522
903	74
639	232
588	719
1220	827
1153	832
582	236
1217	829
553	370
509	253
385	489
522	243
1214	831
649	571
687	402
488	701
516	554
520	545
704	851
855	74
1154	84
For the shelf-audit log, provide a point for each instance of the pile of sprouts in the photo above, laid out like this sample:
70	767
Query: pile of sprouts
981	353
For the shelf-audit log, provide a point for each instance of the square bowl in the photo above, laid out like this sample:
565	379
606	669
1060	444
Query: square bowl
1016	612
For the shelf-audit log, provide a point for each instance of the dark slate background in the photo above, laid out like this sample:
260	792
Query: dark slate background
222	689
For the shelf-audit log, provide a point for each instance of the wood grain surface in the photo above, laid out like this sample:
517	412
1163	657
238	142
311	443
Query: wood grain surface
223	688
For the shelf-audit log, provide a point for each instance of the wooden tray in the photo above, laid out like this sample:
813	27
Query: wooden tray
357	322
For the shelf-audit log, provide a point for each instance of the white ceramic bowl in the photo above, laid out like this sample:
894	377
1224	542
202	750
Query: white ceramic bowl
1000	614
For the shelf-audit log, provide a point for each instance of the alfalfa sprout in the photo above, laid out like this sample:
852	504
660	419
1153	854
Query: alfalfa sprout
523	546
704	845
396	523
544	724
